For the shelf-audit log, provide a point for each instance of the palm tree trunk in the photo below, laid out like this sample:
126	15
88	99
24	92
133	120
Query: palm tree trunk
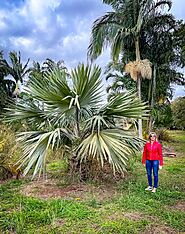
149	100
149	91
138	85
138	57
152	98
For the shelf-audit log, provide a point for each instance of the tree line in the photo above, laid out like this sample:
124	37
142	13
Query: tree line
64	109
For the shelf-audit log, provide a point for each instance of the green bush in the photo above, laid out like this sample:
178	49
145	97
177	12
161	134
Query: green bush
162	115
178	109
163	135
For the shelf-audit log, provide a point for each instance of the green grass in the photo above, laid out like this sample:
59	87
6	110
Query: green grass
179	141
132	210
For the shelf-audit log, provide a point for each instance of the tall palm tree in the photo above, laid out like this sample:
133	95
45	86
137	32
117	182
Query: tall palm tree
15	68
122	27
161	43
7	86
73	116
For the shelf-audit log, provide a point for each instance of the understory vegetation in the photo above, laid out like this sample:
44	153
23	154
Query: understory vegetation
121	206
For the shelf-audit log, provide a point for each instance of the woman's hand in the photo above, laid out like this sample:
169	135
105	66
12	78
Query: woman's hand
160	167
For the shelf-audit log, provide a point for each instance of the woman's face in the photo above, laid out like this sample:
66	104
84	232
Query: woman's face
152	137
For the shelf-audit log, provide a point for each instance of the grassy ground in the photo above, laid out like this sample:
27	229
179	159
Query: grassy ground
120	208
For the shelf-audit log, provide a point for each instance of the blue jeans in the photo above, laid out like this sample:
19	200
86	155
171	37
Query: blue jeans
152	165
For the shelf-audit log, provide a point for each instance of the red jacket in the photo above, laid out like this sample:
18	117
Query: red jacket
152	152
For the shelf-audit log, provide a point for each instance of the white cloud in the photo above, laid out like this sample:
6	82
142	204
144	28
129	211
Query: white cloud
22	42
38	9
61	21
76	42
2	23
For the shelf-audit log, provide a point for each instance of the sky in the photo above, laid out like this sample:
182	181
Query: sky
57	29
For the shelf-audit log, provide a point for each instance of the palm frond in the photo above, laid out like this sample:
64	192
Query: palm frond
30	111
125	104
87	86
35	147
53	90
105	30
110	145
97	123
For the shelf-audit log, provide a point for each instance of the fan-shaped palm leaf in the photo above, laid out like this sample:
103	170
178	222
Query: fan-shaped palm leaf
110	145
87	85
125	105
36	144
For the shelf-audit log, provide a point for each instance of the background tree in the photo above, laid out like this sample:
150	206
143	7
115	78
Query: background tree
7	86
161	45
123	26
40	69
178	109
15	68
161	41
117	80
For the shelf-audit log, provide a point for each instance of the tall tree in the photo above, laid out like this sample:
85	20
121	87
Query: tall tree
15	68
7	86
162	45
123	26
178	109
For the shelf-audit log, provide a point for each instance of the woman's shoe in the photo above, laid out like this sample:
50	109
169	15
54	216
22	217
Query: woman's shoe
154	190
149	188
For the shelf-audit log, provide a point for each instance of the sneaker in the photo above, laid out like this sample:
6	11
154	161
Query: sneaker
154	190
149	188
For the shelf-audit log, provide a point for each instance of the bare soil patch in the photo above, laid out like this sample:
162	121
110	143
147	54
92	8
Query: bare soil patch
179	206
135	216
158	229
3	182
49	189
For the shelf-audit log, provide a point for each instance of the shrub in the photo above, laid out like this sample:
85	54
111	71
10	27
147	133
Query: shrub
163	134
9	153
178	109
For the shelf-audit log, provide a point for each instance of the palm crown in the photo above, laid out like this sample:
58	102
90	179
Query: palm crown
123	25
69	112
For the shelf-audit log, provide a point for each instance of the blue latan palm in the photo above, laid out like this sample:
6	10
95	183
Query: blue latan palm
71	115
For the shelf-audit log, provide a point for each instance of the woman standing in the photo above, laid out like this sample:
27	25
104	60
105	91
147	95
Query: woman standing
153	159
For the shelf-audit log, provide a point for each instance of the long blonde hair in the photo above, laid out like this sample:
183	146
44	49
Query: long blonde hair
152	133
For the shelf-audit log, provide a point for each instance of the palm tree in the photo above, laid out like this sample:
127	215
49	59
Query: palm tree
161	43
15	68
39	70
7	86
123	26
49	64
165	54
73	116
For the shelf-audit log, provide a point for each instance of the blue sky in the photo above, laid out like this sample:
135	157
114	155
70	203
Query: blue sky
56	29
